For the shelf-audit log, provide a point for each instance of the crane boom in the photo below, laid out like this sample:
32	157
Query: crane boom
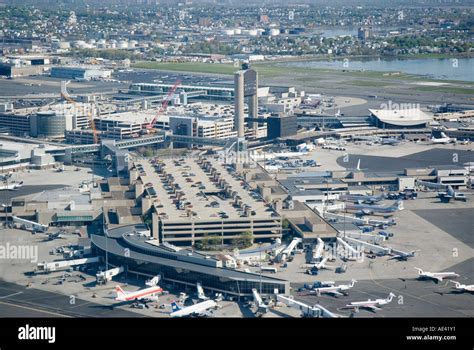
65	95
165	103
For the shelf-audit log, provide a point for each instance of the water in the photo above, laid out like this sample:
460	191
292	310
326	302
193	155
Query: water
443	68
333	33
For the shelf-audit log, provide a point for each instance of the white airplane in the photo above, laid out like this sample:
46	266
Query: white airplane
6	176
290	154
322	265
464	287
370	304
360	198
305	147
333	290
11	186
403	256
367	209
56	235
320	141
437	276
198	309
146	294
441	140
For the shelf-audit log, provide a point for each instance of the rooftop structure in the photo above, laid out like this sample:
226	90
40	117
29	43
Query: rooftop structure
181	266
401	118
193	198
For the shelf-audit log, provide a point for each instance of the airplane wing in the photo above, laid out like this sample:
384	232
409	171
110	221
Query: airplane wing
373	307
335	293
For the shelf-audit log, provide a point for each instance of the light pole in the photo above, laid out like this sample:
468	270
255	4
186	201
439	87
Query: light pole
260	252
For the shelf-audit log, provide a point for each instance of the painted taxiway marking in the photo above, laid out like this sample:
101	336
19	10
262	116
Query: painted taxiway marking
10	295
33	309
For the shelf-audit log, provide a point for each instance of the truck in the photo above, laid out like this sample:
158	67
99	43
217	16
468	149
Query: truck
269	269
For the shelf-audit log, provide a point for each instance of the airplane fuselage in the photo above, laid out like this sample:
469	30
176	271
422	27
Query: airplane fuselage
146	293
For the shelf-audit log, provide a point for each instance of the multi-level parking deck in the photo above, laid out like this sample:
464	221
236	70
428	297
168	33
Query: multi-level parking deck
200	197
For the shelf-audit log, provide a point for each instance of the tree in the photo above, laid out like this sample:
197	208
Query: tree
244	240
208	242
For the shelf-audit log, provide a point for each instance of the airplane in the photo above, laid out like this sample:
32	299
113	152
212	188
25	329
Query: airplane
437	276
359	198
144	295
320	141
198	309
451	194
304	147
367	209
290	154
403	256
442	140
11	186
333	290
447	191
56	235
463	287
6	176
391	141
370	304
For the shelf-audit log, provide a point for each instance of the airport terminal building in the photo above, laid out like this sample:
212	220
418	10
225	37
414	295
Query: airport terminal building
132	247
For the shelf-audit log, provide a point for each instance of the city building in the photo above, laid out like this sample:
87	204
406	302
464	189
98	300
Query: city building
46	121
16	155
214	93
281	126
80	73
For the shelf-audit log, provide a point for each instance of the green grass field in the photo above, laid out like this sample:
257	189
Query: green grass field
277	69
188	67
445	89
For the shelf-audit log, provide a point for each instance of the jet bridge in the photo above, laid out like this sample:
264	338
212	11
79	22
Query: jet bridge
368	246
306	310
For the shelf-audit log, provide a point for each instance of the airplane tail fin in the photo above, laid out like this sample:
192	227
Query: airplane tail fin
174	306
153	282
420	271
400	205
353	282
200	292
120	292
456	283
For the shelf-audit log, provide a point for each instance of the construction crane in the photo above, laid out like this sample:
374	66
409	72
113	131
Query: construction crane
65	95
164	104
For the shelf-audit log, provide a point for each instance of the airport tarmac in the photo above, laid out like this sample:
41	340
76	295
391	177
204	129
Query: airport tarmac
36	181
414	298
375	159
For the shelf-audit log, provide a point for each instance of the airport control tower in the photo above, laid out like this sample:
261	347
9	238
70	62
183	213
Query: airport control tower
246	86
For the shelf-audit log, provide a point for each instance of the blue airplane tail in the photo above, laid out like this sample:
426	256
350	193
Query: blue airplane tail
175	306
